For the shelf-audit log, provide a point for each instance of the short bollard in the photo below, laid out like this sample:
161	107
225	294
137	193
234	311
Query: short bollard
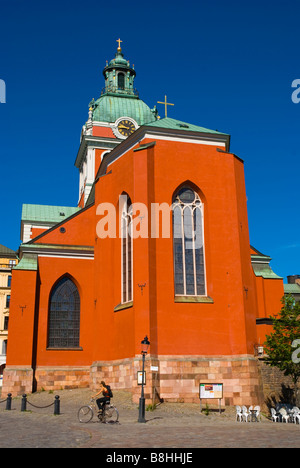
56	406
8	402
24	403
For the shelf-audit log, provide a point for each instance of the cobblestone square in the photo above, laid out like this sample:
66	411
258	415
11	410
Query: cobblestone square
171	425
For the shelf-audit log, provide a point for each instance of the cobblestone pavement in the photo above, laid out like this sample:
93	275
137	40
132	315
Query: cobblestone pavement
171	426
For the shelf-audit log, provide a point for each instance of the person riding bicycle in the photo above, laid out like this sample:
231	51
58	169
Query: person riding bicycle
107	395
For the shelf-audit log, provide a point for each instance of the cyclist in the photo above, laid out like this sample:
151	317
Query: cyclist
107	395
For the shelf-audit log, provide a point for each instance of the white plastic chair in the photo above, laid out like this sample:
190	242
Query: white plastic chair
258	416
297	418
245	413
275	416
296	415
284	416
239	414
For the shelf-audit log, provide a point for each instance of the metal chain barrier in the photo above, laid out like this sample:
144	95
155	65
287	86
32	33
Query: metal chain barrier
8	402
40	407
56	404
24	401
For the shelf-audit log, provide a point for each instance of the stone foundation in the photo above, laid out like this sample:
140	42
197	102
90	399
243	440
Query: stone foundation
178	379
48	378
122	375
17	381
168	378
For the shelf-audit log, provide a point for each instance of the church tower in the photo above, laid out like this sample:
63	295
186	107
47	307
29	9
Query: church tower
113	117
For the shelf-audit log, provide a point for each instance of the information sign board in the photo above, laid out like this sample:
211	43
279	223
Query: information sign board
211	391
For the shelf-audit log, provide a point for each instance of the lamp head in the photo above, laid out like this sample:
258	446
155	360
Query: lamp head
145	345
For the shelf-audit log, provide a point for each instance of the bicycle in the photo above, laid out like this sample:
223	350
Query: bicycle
110	413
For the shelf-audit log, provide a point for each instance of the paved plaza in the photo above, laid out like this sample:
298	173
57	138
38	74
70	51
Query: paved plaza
171	426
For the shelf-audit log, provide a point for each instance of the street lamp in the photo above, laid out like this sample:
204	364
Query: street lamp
145	346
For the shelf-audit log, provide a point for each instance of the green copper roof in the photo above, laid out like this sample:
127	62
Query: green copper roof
118	62
291	288
261	267
109	108
46	213
28	262
167	122
265	271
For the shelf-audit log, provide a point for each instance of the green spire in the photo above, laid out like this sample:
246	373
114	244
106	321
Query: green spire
119	76
119	98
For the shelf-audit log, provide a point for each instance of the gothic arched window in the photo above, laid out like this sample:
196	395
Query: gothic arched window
126	250
188	241
64	315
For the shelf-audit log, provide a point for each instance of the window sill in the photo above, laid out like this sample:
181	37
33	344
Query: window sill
65	349
126	305
195	299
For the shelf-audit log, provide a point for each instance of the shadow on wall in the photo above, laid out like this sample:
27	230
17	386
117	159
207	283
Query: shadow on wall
286	397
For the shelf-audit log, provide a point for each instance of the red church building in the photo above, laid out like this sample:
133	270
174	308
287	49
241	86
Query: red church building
158	245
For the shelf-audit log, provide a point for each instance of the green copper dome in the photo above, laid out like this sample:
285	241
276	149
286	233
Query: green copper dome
119	98
118	61
109	108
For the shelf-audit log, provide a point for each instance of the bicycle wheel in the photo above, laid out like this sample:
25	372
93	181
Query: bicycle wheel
85	414
111	415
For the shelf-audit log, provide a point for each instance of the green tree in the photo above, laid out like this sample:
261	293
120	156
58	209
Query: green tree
281	343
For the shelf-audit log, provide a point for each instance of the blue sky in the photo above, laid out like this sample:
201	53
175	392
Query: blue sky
226	65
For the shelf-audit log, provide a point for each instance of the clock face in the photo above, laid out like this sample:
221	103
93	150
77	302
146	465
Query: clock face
126	127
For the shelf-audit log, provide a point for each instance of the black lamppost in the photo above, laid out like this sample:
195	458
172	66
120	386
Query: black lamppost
145	345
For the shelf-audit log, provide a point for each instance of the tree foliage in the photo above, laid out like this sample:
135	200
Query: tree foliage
281	345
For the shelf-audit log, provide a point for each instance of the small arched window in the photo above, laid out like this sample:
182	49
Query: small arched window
188	239
126	250
64	315
121	81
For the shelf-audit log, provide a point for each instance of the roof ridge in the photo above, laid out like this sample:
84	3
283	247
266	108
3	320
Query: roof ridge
169	122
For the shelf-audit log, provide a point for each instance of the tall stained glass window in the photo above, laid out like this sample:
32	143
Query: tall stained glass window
188	239
126	250
64	315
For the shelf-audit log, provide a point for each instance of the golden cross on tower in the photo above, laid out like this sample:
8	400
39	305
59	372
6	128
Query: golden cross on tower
119	41
166	103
